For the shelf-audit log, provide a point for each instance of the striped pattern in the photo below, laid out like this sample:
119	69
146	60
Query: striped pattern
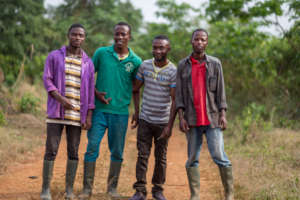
72	91
156	96
61	121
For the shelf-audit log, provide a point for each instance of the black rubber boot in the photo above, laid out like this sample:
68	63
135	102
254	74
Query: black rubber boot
113	178
70	178
47	175
88	180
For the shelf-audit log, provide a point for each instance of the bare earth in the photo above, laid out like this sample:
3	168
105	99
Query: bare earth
22	181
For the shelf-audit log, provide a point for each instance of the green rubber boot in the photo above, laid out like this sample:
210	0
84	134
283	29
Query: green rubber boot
193	175
227	180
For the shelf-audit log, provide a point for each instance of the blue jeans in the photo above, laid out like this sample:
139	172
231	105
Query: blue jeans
117	127
215	143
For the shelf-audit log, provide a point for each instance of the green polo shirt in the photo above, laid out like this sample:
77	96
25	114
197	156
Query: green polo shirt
115	77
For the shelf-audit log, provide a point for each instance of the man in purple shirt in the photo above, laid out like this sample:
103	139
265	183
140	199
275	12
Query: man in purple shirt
69	80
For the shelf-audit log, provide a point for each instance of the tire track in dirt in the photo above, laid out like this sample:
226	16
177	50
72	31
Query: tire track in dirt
15	184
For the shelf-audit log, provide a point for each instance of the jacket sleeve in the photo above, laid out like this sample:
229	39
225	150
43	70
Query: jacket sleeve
221	96
48	76
91	100
179	92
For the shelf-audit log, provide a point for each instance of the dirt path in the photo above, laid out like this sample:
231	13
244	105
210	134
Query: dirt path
23	181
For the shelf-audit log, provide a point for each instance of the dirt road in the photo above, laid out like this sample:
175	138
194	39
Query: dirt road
22	181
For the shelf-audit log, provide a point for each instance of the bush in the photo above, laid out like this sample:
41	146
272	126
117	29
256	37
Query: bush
29	103
2	118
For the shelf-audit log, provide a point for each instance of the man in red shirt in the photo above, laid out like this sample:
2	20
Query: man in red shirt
201	105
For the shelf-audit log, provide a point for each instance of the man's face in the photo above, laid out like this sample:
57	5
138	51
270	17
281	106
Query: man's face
76	37
160	49
121	36
199	41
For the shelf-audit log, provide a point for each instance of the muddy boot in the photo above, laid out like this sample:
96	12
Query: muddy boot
227	180
88	180
47	175
113	178
70	178
193	175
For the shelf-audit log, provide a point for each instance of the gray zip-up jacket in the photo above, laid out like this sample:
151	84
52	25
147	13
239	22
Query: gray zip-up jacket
215	90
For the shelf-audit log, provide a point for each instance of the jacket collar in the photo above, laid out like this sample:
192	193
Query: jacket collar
63	49
207	58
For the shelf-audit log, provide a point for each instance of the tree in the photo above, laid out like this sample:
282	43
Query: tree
98	17
22	28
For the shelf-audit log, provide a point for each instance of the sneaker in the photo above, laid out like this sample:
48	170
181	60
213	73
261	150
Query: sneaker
138	196
158	196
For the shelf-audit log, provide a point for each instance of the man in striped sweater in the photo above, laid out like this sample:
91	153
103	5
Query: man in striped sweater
155	121
69	80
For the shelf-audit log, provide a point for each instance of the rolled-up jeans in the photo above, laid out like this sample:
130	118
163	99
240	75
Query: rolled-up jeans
215	143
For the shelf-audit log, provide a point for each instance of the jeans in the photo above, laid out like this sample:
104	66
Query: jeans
147	132
215	143
54	132
117	127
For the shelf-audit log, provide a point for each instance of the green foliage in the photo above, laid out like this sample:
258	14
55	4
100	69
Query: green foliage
34	68
244	9
23	29
29	103
98	17
254	118
2	118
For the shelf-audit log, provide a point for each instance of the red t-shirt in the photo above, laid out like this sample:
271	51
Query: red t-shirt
199	91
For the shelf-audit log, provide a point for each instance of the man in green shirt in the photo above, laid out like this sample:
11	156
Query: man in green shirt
116	68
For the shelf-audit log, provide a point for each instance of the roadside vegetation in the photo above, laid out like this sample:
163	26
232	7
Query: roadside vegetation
261	75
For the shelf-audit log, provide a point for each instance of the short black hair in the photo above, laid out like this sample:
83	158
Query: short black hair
161	37
124	24
76	26
199	30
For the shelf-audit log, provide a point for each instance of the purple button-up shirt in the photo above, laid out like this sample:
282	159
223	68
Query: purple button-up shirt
54	80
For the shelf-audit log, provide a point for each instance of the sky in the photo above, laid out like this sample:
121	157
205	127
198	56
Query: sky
149	8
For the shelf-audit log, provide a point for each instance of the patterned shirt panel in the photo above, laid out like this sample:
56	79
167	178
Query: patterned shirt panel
156	100
72	91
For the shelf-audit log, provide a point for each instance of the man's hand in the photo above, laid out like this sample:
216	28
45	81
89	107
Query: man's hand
135	120
222	120
66	103
183	125
101	97
88	124
166	134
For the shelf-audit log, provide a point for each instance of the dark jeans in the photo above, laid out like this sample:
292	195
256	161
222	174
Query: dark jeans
146	132
54	132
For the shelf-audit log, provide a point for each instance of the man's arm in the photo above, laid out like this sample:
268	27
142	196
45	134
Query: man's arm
167	132
221	98
137	84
